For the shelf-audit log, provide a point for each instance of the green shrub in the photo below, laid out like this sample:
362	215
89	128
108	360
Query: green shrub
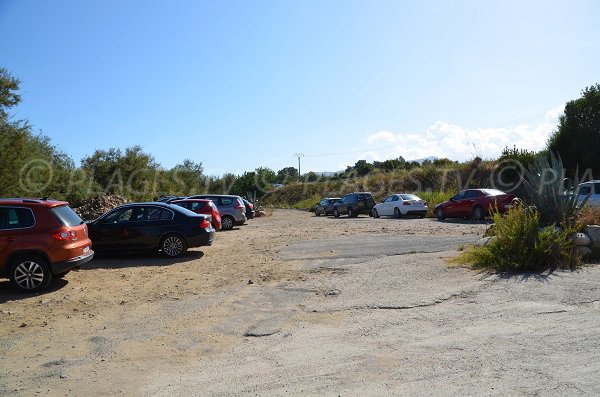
308	204
520	245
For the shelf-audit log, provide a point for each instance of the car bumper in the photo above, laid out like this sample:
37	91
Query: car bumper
201	240
61	267
417	212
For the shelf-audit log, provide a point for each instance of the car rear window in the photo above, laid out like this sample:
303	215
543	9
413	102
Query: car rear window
66	216
492	192
16	218
409	197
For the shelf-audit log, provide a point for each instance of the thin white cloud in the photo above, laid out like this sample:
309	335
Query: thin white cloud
443	139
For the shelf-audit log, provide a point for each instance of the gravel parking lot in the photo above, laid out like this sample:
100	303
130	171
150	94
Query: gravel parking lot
303	305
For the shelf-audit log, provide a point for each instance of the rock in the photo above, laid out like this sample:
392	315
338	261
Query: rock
484	241
593	231
582	251
581	239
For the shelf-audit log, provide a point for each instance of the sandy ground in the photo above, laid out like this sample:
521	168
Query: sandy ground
297	304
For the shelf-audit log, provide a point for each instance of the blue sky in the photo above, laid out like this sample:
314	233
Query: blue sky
242	84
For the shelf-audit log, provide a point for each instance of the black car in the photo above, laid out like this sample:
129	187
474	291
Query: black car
250	213
325	206
354	204
151	227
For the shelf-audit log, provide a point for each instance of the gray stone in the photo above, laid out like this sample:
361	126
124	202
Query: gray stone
582	251
581	239
593	231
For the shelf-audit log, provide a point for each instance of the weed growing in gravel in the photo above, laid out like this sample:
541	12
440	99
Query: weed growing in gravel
519	244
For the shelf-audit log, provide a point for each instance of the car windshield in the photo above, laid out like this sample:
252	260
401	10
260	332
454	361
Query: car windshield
492	192
66	216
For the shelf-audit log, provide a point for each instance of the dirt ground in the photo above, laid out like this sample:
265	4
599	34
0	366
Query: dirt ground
226	319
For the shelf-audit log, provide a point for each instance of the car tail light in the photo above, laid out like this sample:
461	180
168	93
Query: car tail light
205	224
406	203
65	235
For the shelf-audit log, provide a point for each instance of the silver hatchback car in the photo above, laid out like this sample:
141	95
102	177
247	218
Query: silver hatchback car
232	208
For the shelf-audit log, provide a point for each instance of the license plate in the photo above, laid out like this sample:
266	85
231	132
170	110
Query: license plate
86	250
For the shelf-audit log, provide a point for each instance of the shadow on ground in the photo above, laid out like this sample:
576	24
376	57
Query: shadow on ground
9	292
119	261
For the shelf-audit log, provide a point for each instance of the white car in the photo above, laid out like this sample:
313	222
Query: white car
398	205
593	189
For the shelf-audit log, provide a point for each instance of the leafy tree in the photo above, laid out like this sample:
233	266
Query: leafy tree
29	164
287	174
9	86
189	177
390	165
134	173
577	139
362	167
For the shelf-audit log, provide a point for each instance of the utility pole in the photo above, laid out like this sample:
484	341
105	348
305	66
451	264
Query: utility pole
299	155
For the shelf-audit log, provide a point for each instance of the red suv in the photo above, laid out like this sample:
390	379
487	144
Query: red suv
39	240
201	206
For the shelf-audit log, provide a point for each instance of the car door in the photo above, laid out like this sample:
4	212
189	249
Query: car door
386	207
10	238
453	206
467	203
110	232
342	206
396	203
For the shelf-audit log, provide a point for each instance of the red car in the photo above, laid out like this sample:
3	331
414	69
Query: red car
476	203
201	206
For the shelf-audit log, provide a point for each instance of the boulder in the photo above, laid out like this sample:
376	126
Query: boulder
593	231
581	239
582	251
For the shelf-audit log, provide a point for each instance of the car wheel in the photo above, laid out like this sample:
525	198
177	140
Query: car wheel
30	273
397	213
375	213
350	213
336	213
421	216
317	213
478	213
227	223
439	213
173	246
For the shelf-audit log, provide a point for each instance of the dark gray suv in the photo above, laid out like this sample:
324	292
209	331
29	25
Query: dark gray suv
231	208
354	204
325	206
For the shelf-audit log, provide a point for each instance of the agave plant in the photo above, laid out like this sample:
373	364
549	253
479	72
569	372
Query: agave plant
544	180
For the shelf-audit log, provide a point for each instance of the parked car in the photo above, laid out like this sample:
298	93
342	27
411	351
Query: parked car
231	208
354	204
591	188
151	227
250	213
39	240
398	205
476	203
325	206
201	206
